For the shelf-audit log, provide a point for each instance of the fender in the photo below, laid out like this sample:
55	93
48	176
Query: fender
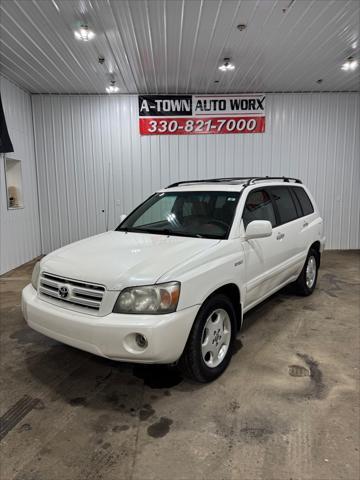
202	275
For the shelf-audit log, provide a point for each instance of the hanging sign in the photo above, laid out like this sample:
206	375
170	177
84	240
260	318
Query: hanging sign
201	114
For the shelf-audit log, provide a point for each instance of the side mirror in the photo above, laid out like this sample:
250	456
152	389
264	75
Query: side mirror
258	229
122	217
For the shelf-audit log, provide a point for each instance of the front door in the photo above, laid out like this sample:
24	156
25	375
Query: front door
262	255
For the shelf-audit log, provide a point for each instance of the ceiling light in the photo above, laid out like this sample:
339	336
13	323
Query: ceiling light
354	64
350	64
112	88
84	34
227	65
241	26
354	45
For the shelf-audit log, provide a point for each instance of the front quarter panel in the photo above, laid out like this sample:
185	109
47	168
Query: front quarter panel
201	276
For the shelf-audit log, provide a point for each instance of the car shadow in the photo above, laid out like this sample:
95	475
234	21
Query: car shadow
265	307
80	379
70	373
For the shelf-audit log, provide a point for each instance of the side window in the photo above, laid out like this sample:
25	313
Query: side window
258	206
285	204
305	202
296	201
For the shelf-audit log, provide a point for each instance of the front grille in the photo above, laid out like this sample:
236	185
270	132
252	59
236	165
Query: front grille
68	291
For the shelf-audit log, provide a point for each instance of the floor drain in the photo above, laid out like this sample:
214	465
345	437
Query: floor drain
298	371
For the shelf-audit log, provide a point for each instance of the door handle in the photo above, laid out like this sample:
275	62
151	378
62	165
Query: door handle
280	236
305	224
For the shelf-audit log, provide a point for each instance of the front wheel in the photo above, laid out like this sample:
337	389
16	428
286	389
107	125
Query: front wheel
209	347
306	282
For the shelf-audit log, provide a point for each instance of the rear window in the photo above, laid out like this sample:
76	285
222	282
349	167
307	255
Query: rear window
285	204
305	202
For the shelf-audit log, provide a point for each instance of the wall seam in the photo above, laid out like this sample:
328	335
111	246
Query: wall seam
36	174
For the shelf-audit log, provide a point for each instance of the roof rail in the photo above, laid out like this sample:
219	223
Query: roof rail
284	179
208	180
249	180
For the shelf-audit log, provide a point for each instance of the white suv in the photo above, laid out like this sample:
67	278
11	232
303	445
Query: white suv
172	282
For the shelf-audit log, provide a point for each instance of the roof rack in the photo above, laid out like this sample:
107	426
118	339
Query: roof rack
248	180
284	179
209	180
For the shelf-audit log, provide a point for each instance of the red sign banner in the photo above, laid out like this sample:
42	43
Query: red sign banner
201	114
206	125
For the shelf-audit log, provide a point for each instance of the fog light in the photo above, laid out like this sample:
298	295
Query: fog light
141	340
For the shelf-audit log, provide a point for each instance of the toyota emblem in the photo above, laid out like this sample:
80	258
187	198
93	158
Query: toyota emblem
63	292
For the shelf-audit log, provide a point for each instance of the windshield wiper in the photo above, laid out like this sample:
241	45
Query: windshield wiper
167	231
129	230
160	231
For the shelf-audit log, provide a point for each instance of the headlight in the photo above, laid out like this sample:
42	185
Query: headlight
35	275
149	299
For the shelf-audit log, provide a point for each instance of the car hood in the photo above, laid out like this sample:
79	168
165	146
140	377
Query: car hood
120	259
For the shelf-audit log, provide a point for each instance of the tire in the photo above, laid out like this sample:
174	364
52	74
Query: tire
209	348
306	283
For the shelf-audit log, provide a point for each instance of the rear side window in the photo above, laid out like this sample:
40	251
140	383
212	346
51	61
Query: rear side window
305	202
284	203
258	206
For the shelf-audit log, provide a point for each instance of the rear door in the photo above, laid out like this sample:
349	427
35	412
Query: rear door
287	231
308	219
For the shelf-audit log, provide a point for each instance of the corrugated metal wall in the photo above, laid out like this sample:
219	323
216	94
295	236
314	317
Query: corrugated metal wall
19	229
91	158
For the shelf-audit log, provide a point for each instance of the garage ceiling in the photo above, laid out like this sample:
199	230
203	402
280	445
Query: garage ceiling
167	46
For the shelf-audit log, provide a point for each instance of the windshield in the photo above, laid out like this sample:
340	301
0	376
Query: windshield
190	214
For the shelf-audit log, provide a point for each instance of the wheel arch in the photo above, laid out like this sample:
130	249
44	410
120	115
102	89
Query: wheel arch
232	291
316	246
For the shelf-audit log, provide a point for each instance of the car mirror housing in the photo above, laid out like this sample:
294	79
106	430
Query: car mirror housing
258	229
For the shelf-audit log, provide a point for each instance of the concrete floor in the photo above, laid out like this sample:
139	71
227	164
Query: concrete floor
287	407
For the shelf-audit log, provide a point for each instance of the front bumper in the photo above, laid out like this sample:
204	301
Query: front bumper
111	336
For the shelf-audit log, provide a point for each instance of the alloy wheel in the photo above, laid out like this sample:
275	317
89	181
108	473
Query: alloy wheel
216	337
310	272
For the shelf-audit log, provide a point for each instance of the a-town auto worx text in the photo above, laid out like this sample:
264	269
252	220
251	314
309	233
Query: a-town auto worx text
201	114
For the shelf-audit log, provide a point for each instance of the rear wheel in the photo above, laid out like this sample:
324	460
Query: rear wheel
306	282
209	347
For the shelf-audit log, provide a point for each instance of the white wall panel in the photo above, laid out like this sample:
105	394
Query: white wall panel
91	158
19	229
